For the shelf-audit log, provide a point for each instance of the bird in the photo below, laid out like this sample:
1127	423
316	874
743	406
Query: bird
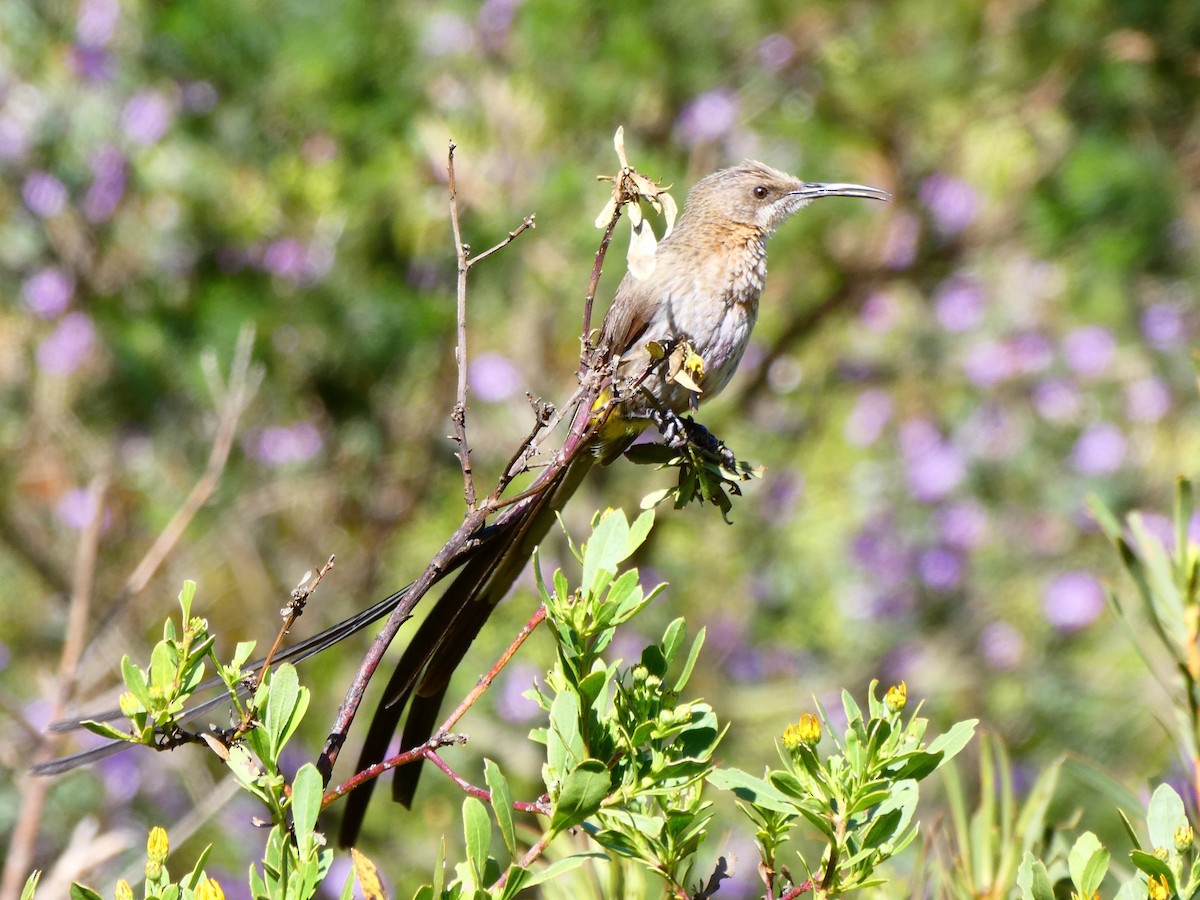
703	294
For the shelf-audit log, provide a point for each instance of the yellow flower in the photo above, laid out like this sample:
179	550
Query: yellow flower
157	847
1158	888
896	697
1184	837
208	889
123	891
807	731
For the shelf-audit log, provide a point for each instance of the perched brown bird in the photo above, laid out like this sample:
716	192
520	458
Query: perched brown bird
703	292
707	279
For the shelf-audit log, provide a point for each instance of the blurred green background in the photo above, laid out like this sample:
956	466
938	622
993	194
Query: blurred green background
935	387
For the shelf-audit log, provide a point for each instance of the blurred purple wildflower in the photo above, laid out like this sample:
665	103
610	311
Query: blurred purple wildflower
76	507
14	139
92	63
108	184
775	51
988	363
1100	450
1163	326
282	445
495	21
880	312
993	431
963	525
900	242
782	494
1002	646
96	21
934	473
44	194
940	569
870	416
122	777
446	34
146	117
1147	400
48	292
339	871
287	258
1072	600
68	346
1031	352
959	303
493	378
1159	526
1089	350
708	117
1057	400
951	202
510	703
879	549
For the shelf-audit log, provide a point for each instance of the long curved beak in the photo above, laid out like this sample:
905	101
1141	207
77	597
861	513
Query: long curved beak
813	190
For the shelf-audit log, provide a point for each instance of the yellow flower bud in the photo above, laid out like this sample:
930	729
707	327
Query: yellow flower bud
896	697
157	847
208	889
123	891
1158	889
807	731
1184	836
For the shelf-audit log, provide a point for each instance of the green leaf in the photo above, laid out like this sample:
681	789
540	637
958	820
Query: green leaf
186	594
306	805
690	664
1153	866
673	640
501	804
1166	813
477	829
950	743
605	549
135	681
1079	860
754	791
582	792
1034	880
561	867
286	705
564	743
31	884
517	880
105	730
79	892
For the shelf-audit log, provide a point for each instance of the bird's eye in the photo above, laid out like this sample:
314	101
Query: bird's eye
761	192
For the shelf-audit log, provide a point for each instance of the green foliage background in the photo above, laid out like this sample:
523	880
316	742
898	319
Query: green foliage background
281	163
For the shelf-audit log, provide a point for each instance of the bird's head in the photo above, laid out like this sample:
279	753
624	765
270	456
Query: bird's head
755	195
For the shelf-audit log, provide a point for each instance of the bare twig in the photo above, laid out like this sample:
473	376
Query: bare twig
526	224
540	806
33	792
462	252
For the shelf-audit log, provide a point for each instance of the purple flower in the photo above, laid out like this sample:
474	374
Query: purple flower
1100	450
68	346
1057	400
447	34
495	20
1072	601
44	194
1031	352
781	496
934	467
93	63
108	184
1163	326
993	432
287	258
900	241
775	51
871	414
1089	351
76	508
963	525
1147	400
493	378
710	116
14	139
959	303
987	363
951	202
879	549
48	292
880	312
282	445
146	117
940	569
1002	646
96	21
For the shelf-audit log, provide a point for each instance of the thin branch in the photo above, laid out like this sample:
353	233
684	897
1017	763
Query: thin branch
531	856
33	792
541	806
462	252
526	224
585	338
